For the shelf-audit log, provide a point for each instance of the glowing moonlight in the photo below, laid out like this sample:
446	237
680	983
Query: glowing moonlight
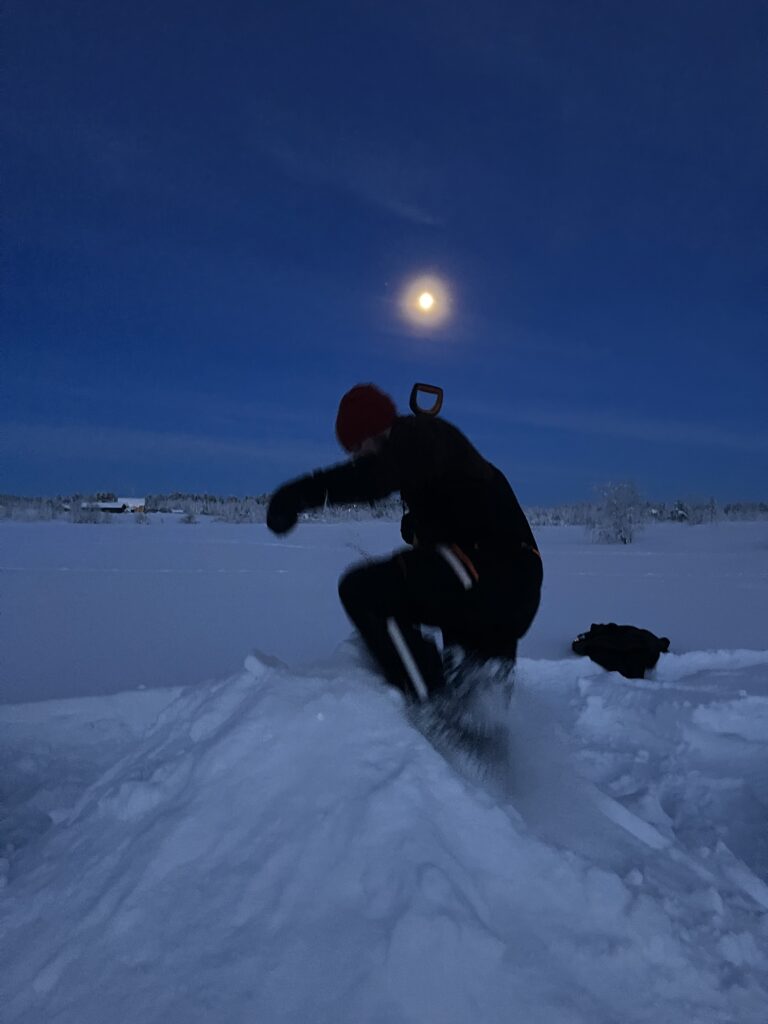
426	301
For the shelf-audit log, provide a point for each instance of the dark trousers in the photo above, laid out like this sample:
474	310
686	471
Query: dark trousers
484	607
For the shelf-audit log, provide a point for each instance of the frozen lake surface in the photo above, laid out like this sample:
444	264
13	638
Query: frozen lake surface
100	609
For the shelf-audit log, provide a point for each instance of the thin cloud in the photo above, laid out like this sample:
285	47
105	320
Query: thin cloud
75	442
211	408
378	179
661	431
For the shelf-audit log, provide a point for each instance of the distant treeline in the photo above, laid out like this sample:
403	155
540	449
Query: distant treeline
617	512
693	512
254	509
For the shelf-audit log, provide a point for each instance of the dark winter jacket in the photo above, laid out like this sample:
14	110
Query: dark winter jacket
452	493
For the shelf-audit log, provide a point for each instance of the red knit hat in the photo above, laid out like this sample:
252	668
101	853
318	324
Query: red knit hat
363	412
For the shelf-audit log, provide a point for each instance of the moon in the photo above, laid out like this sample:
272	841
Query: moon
425	301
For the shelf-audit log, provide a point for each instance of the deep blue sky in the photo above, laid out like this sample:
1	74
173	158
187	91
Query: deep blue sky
210	209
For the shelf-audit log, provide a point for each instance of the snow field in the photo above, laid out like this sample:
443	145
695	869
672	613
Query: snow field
286	847
122	605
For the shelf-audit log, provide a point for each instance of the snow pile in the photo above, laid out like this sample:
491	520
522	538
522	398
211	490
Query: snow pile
286	847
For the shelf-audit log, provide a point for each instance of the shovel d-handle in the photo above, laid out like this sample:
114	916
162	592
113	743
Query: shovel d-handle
427	389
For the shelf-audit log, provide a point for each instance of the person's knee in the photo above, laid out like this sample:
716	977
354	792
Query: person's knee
374	588
353	587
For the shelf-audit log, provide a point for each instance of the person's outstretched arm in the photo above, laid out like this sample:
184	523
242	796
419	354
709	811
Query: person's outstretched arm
367	478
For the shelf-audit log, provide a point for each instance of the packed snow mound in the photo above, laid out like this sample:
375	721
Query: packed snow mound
286	847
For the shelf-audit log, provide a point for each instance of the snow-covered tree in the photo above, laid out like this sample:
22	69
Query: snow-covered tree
618	515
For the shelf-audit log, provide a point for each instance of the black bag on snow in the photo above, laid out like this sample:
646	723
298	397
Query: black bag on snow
625	649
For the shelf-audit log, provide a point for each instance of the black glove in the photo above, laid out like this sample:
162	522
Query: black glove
284	507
